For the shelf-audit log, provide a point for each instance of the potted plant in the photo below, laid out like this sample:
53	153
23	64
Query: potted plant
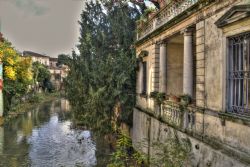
149	12
159	99
174	98
186	99
162	3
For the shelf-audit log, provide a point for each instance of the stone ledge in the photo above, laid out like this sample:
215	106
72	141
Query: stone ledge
245	120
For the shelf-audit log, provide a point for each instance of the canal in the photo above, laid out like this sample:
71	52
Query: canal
45	137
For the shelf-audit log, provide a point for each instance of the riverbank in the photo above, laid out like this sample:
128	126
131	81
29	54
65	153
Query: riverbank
22	108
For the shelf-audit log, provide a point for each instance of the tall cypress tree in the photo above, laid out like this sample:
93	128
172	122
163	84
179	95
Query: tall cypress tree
103	75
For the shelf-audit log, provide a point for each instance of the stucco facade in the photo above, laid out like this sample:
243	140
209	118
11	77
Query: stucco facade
188	53
36	57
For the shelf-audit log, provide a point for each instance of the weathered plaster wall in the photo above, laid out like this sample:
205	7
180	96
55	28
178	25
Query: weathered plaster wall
214	63
211	56
152	76
174	68
148	130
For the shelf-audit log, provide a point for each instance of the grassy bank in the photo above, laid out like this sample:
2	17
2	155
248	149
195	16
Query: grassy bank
23	107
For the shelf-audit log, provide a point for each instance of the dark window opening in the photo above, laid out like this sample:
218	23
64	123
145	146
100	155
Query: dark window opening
239	74
144	89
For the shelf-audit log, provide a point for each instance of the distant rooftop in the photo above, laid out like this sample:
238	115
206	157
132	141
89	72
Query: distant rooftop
30	53
53	59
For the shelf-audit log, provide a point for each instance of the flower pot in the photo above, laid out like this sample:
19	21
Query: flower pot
162	3
186	100
151	15
174	98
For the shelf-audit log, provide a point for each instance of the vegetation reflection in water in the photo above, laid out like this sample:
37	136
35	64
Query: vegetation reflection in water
44	137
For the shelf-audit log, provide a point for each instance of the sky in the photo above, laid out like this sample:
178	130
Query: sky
44	26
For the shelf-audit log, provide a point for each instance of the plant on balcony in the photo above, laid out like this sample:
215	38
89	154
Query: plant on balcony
158	97
173	98
162	3
149	12
185	99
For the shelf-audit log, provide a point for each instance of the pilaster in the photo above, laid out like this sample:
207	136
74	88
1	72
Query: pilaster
200	64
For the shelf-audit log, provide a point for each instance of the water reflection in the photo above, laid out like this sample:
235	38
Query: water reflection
44	137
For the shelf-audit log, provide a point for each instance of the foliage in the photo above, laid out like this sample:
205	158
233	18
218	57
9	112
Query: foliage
40	72
104	72
174	152
17	72
62	59
36	98
125	155
186	99
158	97
42	75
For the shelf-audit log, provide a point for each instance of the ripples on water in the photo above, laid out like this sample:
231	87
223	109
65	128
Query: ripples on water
44	138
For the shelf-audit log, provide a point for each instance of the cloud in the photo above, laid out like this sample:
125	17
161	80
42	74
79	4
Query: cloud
31	6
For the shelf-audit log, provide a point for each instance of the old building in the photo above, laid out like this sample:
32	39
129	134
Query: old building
36	57
53	62
58	73
198	49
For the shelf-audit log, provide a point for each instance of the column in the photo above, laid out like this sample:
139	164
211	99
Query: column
163	67
140	77
188	63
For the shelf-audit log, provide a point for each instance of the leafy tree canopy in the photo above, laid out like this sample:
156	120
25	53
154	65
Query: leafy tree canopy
17	72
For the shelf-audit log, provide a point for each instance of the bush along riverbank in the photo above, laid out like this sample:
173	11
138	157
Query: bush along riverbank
25	104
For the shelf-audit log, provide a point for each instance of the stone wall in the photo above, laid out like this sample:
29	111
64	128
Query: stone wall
148	130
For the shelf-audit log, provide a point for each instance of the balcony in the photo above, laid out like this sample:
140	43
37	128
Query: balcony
172	9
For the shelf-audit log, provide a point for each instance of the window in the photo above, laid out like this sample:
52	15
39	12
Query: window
239	74
144	89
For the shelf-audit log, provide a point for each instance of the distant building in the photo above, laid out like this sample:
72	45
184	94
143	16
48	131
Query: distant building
53	62
58	73
36	57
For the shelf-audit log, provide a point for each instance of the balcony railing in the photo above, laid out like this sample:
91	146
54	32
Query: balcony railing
172	9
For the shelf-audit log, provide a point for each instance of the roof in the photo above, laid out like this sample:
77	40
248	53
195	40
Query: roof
30	53
53	59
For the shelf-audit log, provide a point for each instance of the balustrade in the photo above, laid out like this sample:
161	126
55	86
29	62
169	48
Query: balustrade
172	9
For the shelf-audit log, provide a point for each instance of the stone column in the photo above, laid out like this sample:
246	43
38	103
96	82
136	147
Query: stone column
140	77
188	63
163	67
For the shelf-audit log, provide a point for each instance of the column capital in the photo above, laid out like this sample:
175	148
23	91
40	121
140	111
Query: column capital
188	31
162	42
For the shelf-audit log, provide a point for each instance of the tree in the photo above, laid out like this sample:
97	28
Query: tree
62	59
42	75
17	73
103	75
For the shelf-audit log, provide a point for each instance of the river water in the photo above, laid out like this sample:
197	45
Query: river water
44	137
